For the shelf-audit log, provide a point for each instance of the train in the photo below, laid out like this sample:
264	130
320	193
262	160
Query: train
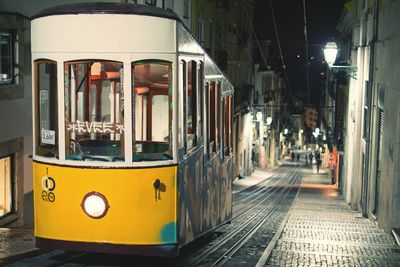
132	126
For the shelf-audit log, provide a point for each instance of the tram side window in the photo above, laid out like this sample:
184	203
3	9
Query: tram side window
94	97
200	101
152	124
228	126
218	115
211	113
46	108
191	105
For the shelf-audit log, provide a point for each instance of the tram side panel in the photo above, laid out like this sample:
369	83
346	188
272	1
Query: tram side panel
190	197
212	194
226	190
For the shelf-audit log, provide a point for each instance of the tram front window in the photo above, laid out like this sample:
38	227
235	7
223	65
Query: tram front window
152	125
94	127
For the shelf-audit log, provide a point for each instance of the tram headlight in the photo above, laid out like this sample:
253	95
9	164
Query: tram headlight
95	205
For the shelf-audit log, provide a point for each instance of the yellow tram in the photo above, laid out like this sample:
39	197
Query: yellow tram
132	125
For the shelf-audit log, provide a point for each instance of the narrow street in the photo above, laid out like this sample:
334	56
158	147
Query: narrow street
291	216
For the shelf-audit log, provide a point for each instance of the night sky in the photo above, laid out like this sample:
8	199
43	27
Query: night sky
322	17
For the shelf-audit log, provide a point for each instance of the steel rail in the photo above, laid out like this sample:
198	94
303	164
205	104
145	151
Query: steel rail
243	240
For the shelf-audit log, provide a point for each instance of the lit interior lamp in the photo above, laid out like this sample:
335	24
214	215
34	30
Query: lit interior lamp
259	115
330	52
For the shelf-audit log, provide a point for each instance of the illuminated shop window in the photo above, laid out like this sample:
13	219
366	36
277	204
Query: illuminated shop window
5	186
94	123
152	124
46	108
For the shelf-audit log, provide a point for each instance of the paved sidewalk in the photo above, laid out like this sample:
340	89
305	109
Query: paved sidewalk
15	242
321	230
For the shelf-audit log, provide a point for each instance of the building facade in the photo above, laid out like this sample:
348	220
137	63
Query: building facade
371	160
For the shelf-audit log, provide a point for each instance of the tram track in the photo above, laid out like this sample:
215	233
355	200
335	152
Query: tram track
245	230
263	188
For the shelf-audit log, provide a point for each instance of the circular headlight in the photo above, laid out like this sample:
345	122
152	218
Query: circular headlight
95	205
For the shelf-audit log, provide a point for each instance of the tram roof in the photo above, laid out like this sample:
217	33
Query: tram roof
107	8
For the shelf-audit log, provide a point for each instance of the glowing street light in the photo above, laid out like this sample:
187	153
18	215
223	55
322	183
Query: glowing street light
330	53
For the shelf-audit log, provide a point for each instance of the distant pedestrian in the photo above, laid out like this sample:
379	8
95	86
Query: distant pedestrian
318	160
297	157
293	155
332	167
310	157
306	158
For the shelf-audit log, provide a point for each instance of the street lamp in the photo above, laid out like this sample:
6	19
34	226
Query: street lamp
269	121
330	53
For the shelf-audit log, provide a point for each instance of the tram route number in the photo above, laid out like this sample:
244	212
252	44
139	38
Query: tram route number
48	137
48	186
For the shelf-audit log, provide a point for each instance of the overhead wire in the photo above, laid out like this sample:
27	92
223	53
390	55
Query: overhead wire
279	45
306	41
255	37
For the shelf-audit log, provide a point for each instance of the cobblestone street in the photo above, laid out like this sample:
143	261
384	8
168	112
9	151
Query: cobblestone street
15	241
321	230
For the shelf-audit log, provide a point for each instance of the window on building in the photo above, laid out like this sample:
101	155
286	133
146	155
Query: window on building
94	123
152	125
5	186
185	8
210	33
46	107
366	113
6	58
200	29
